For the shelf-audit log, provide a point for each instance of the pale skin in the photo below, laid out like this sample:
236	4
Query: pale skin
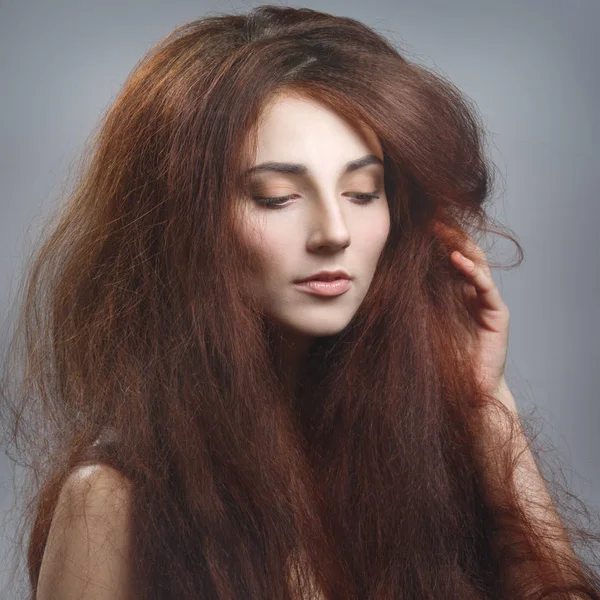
332	218
86	555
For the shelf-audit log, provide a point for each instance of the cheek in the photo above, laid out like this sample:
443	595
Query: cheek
371	235
272	245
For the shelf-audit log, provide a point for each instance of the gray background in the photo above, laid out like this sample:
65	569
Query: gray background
530	66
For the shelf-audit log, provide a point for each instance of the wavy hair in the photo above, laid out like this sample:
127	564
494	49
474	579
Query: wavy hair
137	346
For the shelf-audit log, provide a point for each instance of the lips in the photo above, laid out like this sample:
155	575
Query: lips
317	287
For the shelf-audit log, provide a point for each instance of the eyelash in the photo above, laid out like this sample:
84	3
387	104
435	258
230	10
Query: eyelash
276	202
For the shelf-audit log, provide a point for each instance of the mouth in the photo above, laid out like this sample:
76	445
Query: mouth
336	275
322	279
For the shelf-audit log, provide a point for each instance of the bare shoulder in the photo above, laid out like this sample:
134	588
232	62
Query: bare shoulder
97	488
87	552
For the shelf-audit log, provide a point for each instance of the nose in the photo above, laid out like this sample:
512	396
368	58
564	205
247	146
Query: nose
329	228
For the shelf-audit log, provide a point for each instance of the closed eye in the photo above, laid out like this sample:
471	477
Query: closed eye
364	198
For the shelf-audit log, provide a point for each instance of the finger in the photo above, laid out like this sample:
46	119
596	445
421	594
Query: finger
469	291
476	254
469	248
487	291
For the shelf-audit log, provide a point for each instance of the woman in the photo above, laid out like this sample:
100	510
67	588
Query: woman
210	426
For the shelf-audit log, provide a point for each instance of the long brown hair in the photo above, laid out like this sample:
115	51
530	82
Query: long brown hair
141	350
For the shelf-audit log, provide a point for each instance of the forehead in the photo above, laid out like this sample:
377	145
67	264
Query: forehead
300	129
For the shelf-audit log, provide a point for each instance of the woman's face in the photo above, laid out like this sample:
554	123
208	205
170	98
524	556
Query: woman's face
329	220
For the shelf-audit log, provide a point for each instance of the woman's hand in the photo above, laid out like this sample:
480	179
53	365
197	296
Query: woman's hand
489	335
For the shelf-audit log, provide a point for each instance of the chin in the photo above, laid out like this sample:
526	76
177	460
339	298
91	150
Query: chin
318	327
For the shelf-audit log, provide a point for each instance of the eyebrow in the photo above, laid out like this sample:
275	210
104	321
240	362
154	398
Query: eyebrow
299	169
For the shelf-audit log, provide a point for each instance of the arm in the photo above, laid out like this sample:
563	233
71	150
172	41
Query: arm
532	494
486	341
86	555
